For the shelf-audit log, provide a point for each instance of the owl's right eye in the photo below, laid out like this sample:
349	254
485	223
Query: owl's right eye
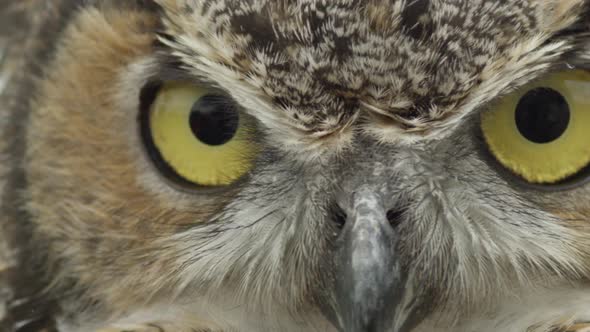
541	132
198	136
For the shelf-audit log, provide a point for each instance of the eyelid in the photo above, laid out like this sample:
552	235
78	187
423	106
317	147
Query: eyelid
169	69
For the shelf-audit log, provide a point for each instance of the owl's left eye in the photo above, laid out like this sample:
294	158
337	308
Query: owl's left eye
198	136
542	132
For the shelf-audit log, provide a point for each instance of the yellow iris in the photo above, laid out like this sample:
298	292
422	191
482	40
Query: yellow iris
175	134
542	132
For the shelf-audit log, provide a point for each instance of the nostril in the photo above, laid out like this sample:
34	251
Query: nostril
395	216
338	216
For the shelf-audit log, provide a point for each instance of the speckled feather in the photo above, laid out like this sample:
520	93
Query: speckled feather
322	62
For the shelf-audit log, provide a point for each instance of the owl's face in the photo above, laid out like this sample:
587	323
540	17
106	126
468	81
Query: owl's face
266	165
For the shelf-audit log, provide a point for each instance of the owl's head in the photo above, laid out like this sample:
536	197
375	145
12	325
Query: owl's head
262	165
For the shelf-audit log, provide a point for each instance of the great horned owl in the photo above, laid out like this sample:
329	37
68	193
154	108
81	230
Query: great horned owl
295	165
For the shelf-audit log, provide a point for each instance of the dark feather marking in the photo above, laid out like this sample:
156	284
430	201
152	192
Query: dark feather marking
415	19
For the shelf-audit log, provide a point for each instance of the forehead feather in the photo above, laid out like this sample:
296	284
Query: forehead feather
321	62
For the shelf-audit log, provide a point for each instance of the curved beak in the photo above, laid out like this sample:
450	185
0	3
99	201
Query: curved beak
370	283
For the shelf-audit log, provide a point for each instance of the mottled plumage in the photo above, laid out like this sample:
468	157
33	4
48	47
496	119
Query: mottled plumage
377	99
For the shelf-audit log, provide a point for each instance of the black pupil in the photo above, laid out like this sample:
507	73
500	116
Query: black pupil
542	115
214	120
